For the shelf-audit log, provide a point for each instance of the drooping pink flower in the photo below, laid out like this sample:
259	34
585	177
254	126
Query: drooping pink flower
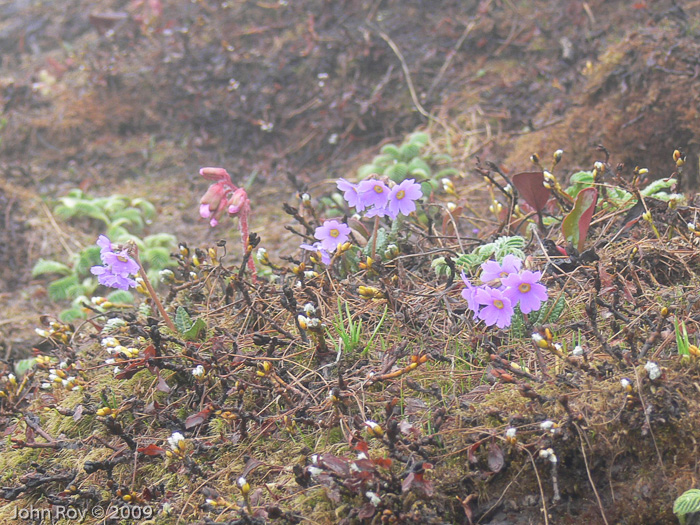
526	289
497	308
492	270
222	196
403	196
332	234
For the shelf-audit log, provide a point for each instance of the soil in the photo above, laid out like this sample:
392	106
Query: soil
133	97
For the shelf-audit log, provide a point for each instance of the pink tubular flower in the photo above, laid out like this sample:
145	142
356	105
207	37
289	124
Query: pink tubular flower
497	310
350	194
224	195
491	270
403	196
373	193
332	234
524	287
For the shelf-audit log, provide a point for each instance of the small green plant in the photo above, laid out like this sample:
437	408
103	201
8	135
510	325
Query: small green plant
404	161
119	216
350	332
687	503
470	261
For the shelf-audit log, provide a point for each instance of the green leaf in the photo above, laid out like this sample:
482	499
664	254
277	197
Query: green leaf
164	240
65	288
157	257
64	212
112	204
397	172
420	138
71	314
88	258
132	215
193	333
44	267
687	503
392	150
382	161
409	151
148	210
121	297
117	232
183	321
447	172
24	365
88	209
419	168
575	225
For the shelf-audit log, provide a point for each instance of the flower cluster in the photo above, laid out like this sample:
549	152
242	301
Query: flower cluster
378	199
117	266
505	286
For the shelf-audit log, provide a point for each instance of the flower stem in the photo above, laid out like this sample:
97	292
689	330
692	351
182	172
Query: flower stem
374	236
151	291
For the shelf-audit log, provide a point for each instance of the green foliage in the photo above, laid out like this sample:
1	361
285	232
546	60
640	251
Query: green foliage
549	312
46	267
471	261
687	503
190	330
682	340
615	196
350	332
119	215
399	162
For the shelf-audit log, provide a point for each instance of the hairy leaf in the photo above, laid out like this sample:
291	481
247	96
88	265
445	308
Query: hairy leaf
183	321
687	503
44	267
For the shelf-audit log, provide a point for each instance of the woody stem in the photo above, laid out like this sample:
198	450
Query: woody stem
152	292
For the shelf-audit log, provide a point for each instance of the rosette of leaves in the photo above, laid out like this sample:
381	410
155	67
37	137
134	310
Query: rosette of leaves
399	162
469	262
74	282
118	213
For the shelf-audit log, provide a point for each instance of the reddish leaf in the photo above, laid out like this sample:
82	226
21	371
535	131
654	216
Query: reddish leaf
471	453
162	386
408	482
383	462
338	465
149	352
151	450
129	371
495	458
530	187
366	511
197	419
575	225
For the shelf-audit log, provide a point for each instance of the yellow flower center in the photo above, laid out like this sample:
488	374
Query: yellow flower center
378	188
498	304
122	258
503	275
400	195
524	287
335	232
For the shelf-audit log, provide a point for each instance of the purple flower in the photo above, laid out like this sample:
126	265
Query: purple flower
332	234
104	243
524	287
350	194
491	270
403	196
497	310
316	247
118	266
379	212
469	294
107	277
373	193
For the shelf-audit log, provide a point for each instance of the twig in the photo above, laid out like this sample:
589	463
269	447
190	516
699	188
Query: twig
590	478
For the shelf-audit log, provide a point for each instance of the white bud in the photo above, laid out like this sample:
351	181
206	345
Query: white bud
653	370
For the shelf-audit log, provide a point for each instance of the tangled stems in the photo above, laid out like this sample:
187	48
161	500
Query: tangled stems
134	252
